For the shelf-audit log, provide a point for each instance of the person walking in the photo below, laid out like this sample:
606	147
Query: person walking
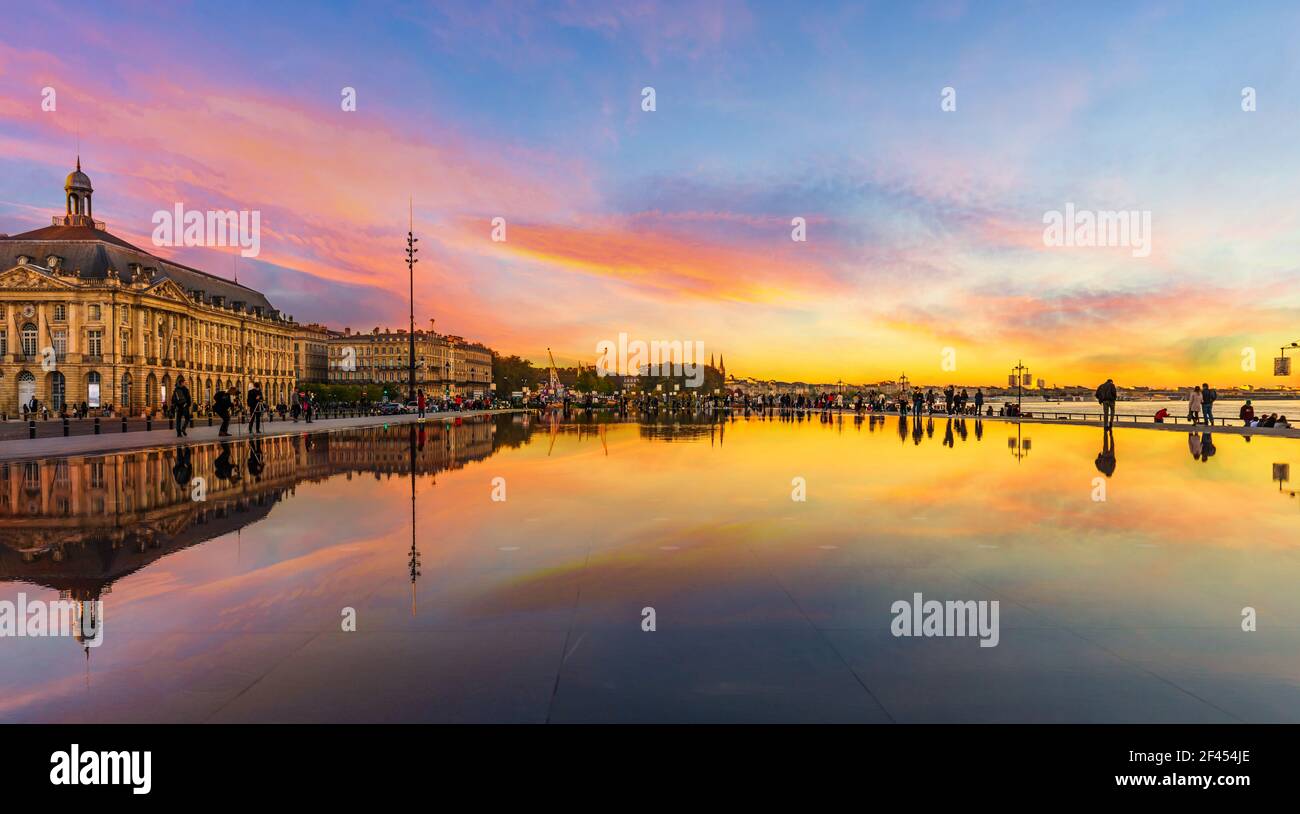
1208	397
420	402
255	406
1107	394
181	403
221	404
1194	402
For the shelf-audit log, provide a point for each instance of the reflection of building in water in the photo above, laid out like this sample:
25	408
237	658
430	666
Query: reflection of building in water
439	446
77	525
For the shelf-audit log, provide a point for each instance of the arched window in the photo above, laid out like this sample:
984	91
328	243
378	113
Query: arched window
125	400
29	339
92	389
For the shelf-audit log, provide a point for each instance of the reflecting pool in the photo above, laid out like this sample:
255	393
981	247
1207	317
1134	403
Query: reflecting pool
507	569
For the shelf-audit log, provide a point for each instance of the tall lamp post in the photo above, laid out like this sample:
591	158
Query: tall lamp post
411	251
1018	372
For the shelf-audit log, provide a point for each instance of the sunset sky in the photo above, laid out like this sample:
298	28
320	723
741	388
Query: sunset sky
924	227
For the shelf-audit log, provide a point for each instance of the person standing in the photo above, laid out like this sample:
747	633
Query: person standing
181	403
1107	394
1208	397
1247	414
221	404
420	402
255	404
1194	402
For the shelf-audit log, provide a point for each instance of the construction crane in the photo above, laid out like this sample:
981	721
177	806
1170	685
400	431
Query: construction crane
554	385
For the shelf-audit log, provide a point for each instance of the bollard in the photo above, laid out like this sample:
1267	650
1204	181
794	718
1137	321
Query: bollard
67	428
148	423
31	428
123	423
169	424
96	425
209	419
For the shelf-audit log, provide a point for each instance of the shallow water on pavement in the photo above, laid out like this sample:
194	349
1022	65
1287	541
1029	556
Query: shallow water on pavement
1122	566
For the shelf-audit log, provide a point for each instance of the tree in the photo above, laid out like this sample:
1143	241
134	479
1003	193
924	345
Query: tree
511	373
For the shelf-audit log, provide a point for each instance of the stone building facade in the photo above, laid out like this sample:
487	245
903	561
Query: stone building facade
86	317
444	365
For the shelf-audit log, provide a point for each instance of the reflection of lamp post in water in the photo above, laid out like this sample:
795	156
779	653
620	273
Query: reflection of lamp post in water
1019	447
902	383
413	562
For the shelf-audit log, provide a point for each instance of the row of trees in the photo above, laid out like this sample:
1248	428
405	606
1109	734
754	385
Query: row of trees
512	373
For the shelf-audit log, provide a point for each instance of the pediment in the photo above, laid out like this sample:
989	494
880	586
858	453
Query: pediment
31	277
168	290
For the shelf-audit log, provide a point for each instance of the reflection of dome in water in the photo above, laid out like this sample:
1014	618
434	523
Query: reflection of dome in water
89	623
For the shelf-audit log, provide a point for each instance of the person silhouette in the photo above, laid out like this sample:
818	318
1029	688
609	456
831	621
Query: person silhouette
1106	458
183	469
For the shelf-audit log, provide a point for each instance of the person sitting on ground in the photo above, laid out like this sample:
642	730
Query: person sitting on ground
1267	421
1282	422
1161	415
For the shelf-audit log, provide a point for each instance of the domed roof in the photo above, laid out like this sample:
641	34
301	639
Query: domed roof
78	179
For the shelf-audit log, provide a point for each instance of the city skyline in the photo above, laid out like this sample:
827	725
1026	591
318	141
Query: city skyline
924	225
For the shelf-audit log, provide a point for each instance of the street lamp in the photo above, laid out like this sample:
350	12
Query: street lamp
411	251
1019	373
1282	365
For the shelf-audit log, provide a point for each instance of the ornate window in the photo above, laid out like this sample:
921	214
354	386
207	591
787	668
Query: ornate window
60	312
29	339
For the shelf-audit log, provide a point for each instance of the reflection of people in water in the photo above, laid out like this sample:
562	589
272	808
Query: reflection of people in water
255	459
1207	446
948	440
1106	458
226	468
979	430
183	469
1194	444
